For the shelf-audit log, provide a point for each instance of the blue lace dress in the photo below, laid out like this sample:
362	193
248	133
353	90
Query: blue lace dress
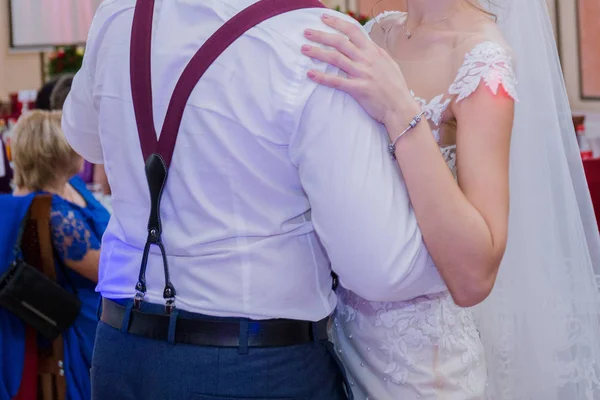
75	231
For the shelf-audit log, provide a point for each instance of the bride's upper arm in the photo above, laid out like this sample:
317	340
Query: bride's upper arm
484	100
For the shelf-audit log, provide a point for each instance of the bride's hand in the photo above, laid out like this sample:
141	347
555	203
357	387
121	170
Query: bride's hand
374	79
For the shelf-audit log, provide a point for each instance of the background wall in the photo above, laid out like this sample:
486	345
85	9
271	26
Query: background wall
45	23
21	71
589	45
567	12
18	70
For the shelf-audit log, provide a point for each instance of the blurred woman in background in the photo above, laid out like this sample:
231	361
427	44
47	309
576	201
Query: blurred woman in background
45	163
91	174
6	173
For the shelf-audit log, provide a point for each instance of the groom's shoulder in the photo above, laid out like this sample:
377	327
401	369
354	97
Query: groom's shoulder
108	8
107	12
292	25
312	17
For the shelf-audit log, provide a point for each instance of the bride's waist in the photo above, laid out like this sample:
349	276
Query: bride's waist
421	304
433	315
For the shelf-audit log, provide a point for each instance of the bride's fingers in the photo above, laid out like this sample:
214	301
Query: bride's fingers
334	58
353	32
333	81
337	41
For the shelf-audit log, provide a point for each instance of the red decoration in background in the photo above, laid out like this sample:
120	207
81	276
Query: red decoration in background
361	18
65	60
592	173
28	389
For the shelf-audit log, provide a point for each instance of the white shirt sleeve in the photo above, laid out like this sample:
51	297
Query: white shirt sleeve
80	118
360	205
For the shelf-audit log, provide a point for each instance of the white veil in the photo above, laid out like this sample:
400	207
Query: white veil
541	325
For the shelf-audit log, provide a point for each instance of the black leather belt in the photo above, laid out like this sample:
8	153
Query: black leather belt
216	333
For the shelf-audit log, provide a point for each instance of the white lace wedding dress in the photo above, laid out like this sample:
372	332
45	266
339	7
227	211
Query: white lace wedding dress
425	348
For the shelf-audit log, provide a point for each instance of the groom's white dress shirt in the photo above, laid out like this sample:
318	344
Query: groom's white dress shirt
265	161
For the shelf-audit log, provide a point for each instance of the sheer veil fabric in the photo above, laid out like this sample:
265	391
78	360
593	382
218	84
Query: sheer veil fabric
540	327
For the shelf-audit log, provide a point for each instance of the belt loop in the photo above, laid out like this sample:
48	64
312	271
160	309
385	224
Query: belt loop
172	325
315	332
127	317
243	345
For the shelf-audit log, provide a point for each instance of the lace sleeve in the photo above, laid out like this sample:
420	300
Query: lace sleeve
488	62
71	235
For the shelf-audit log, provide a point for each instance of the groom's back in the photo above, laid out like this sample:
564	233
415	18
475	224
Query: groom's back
233	204
237	226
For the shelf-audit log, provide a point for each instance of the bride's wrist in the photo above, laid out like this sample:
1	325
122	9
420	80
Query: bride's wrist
397	121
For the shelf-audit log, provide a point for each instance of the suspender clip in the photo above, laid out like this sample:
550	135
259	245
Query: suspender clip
138	299
169	296
170	306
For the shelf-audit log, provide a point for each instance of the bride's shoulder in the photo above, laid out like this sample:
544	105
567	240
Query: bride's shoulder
385	20
483	55
483	34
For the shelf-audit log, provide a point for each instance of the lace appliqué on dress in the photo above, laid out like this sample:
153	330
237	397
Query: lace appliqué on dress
489	62
412	334
70	234
434	111
449	153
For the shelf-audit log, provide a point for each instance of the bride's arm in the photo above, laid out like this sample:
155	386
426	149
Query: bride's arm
464	227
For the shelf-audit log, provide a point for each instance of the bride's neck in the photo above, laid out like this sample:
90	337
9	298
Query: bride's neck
430	11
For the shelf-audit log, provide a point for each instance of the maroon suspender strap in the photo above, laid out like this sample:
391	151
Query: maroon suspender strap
158	153
141	82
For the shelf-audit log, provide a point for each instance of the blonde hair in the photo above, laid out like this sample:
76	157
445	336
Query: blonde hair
41	153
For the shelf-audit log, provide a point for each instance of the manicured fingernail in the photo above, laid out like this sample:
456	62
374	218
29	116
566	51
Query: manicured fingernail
311	74
308	33
305	48
325	16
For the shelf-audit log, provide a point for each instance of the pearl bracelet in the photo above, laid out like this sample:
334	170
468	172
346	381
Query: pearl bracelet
415	121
